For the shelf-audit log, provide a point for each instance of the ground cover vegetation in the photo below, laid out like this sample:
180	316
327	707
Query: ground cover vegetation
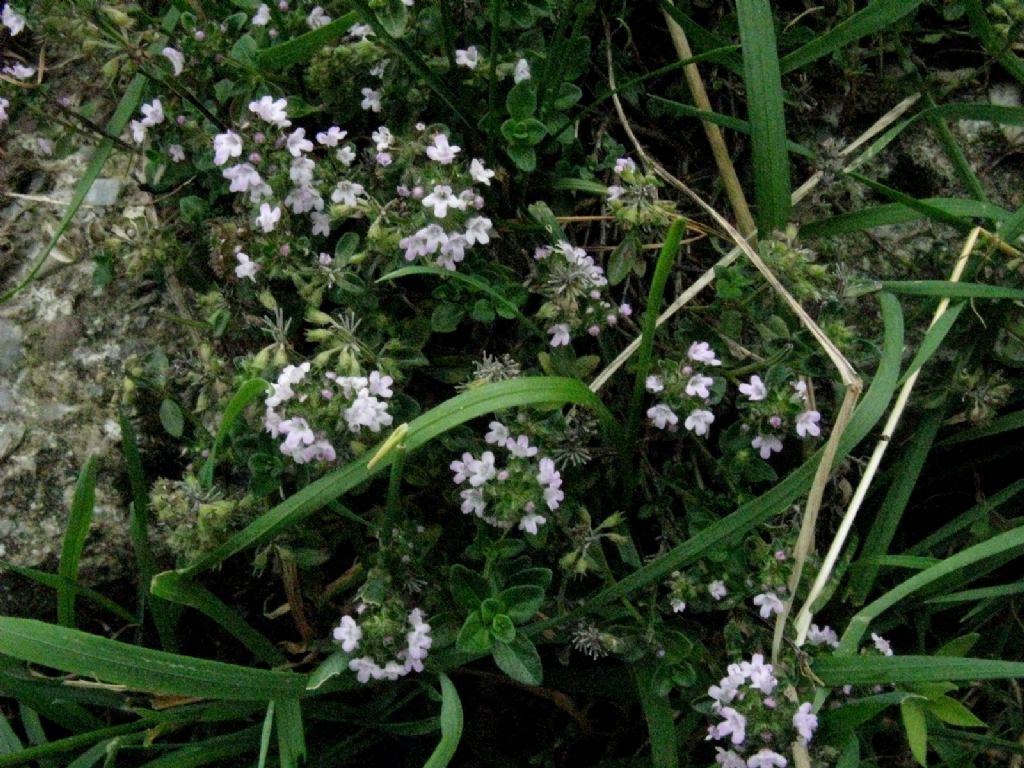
550	382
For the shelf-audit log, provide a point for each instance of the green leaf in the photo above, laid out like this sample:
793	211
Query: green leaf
193	209
959	646
249	391
951	711
141	669
932	341
171	417
539	577
521	101
994	42
568	94
766	112
446	317
658	713
836	670
897	213
451	725
346	248
332	666
474	636
916	727
522	602
54	581
291	739
74	540
1006	423
877	16
458	410
393	15
702	39
519	660
268	729
468	588
503	629
953	290
302	48
177	589
524	157
622	259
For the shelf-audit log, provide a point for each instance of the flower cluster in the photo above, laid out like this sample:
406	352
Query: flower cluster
513	495
686	387
685	590
377	634
754	717
634	201
304	412
575	288
769	411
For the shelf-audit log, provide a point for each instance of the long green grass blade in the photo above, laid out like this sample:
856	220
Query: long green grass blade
1013	227
56	582
996	45
778	499
702	39
937	214
867	670
661	728
141	669
9	741
267	732
451	725
766	111
219	750
458	410
966	519
953	290
74	540
867	21
1005	423
897	213
177	589
932	341
138	523
291	738
905	475
303	47
71	743
963	564
249	391
982	593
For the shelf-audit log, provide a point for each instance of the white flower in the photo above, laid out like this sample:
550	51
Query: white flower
243	177
138	131
300	171
825	635
246	267
441	199
662	416
153	113
441	151
614	192
733	724
225	146
4	105
531	522
274	112
698	385
348	633
881	644
800	391
19	71
807	424
766	445
805	722
678	606
298	143
467	57
13	20
383	138
699	421
176	57
367	411
317	18
282	388
331	137
728	759
701	352
717	589
462	468
371	100
478	230
548	475
482	470
521	447
559	335
769	603
498	434
654	384
755	390
624	164
262	17
268	218
347	193
761	675
362	31
521	71
304	199
473	502
766	758
365	668
345	155
379	384
176	152
480	173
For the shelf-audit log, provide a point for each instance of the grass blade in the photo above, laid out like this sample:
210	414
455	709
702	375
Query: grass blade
994	43
765	108
704	39
171	586
982	593
141	669
866	670
246	393
163	615
220	749
932	340
74	541
451	725
268	729
954	290
658	713
867	21
458	410
72	743
56	581
303	47
897	213
1005	423
291	740
1013	227
968	518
